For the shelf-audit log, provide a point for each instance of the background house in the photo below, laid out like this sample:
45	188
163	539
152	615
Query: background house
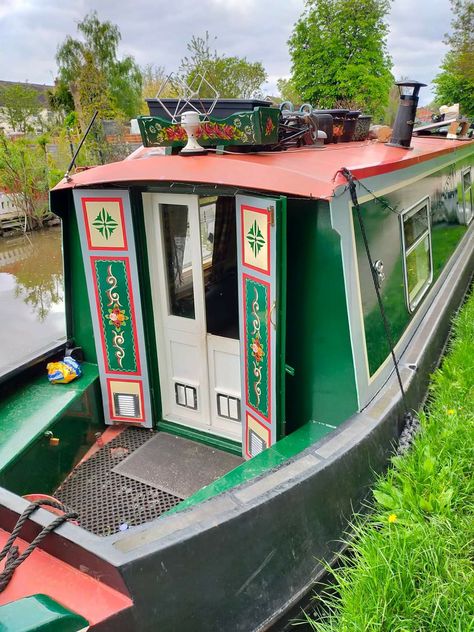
36	122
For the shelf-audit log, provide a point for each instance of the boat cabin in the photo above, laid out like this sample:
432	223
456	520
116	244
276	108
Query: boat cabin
229	296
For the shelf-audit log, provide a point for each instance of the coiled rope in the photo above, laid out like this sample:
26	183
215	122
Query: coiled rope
10	551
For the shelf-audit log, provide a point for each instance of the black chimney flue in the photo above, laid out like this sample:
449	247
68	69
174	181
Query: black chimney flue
405	119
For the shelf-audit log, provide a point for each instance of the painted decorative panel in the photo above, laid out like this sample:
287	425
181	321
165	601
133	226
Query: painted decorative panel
257	233
104	223
257	436
108	248
258	127
257	344
125	398
256	238
117	314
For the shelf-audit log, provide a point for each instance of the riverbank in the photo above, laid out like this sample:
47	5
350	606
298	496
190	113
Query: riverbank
410	565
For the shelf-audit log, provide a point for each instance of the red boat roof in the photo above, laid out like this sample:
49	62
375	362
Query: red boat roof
308	172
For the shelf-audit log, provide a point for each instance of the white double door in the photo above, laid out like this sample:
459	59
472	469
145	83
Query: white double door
199	371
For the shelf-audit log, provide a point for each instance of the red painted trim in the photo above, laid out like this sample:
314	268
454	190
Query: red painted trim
376	170
111	407
262	211
86	222
72	588
269	440
106	437
267	418
93	259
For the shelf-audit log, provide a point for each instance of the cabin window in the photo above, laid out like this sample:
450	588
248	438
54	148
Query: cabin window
179	270
468	196
416	240
219	265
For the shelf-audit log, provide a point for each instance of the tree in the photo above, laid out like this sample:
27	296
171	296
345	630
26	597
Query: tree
60	98
22	107
98	50
339	53
393	104
288	91
455	82
232	77
27	175
156	80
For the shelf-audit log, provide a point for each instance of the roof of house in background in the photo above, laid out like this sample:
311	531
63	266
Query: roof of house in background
424	114
41	88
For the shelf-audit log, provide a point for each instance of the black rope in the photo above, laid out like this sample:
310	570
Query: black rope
388	334
380	200
376	198
10	551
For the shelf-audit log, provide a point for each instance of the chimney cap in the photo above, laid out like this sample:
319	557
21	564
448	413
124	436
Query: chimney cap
410	83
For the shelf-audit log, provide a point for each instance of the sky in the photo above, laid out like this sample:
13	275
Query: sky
157	31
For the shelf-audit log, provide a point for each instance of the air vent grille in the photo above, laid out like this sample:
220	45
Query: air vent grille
257	444
127	405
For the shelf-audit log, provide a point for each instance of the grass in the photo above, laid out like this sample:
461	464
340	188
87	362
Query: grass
410	566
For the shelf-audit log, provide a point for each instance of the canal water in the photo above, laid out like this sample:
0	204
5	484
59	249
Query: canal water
31	296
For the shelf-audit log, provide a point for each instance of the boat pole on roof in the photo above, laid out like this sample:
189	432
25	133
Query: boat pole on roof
71	164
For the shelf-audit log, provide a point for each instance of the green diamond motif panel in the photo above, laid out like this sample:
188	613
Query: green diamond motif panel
105	223
255	238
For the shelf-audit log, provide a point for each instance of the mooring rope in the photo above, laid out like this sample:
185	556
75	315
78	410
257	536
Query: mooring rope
411	425
10	551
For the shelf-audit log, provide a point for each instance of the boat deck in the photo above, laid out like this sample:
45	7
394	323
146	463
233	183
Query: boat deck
130	479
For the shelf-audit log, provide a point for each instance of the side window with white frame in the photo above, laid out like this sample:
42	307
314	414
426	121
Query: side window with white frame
467	195
417	257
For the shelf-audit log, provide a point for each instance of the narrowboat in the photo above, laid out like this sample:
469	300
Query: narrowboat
255	310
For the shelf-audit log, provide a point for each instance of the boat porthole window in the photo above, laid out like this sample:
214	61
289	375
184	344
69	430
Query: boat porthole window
467	195
417	256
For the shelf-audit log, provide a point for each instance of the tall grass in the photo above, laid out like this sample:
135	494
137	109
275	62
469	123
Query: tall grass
411	562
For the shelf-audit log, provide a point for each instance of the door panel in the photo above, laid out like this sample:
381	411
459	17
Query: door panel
260	303
176	271
224	385
108	247
217	383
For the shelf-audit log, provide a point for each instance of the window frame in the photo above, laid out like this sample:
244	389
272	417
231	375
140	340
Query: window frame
404	215
464	203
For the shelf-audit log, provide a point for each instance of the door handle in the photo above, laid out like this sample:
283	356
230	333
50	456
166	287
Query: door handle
272	310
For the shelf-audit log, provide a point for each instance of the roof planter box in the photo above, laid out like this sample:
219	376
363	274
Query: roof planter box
222	109
256	127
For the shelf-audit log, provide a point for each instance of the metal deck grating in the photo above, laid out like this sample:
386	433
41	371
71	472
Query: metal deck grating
106	500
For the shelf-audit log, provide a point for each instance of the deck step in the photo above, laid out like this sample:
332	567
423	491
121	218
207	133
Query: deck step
32	408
